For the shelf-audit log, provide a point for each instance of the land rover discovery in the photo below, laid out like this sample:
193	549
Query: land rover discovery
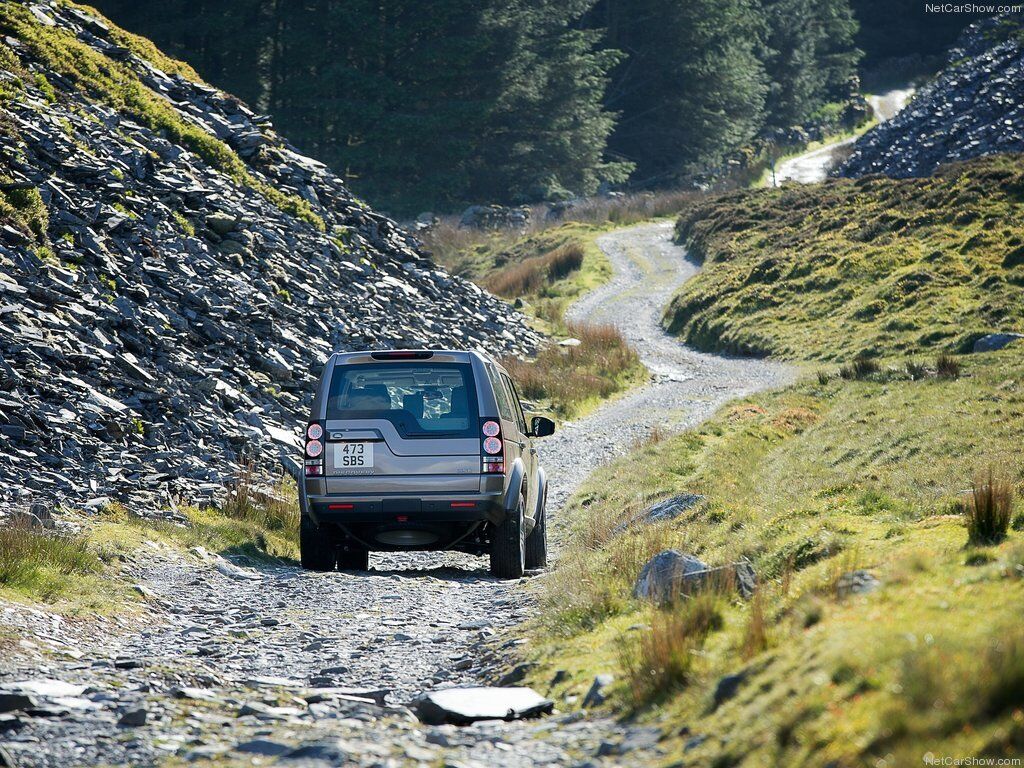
421	450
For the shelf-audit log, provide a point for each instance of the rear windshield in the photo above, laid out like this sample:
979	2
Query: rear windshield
420	399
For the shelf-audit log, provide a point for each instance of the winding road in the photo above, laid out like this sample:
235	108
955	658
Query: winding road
278	664
813	166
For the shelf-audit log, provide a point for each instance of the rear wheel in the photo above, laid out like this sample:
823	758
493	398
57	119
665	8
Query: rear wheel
537	541
508	547
353	559
316	546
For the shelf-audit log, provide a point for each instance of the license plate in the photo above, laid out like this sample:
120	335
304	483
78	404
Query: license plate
353	456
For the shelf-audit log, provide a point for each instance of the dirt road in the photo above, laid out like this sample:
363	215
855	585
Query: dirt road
276	664
813	166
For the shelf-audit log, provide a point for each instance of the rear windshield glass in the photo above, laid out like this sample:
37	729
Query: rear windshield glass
420	399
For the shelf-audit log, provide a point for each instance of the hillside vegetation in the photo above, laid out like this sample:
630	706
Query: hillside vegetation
432	107
872	267
824	487
880	501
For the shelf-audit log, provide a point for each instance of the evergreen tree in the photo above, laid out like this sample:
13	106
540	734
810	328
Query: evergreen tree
692	87
548	130
421	105
809	56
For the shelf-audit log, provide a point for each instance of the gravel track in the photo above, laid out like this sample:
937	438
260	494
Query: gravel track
811	167
277	637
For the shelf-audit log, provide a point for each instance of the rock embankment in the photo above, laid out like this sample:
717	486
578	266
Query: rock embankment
974	107
172	274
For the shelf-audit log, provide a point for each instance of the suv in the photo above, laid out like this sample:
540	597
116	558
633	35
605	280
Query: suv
421	450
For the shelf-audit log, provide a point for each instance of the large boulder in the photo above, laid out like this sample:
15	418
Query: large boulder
671	574
995	341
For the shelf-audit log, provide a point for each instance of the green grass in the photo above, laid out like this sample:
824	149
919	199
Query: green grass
869	267
254	525
44	566
809	483
119	87
82	572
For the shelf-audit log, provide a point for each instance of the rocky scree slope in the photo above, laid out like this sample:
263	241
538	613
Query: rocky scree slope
173	273
974	107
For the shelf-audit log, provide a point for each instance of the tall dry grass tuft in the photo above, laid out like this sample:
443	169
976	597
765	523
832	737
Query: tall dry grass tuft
269	507
755	635
570	375
661	658
989	510
531	275
860	368
40	561
916	370
947	366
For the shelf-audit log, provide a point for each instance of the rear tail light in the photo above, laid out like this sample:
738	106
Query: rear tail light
314	450
492	447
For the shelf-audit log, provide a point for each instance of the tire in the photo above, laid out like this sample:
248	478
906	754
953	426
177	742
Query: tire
353	559
316	547
508	546
537	541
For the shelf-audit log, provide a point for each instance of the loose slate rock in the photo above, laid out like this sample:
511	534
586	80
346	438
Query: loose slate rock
596	696
332	752
670	574
133	717
264	747
857	582
667	509
13	701
461	706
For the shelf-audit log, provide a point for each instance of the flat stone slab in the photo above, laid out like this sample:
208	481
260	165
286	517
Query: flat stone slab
44	687
461	706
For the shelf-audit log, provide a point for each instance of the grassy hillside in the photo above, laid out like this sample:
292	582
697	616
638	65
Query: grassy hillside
869	267
867	474
811	483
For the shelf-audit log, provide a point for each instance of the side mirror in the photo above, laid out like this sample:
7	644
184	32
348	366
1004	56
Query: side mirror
541	427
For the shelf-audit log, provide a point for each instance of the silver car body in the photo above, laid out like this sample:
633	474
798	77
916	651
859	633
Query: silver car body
420	491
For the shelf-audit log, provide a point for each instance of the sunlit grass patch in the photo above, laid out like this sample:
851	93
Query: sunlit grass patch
857	267
844	495
258	522
570	377
42	564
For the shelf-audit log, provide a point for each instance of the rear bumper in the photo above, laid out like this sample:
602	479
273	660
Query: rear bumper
406	508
